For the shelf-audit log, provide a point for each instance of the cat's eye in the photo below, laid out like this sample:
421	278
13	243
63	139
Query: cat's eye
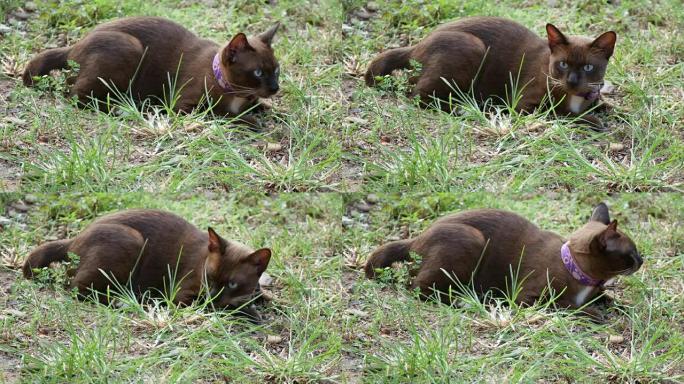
563	65
588	68
277	71
232	285
258	72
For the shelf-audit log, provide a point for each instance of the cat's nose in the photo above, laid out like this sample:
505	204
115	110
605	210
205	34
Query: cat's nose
639	259
573	79
273	87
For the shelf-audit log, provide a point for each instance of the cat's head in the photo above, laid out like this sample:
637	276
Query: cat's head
578	64
603	250
251	65
233	271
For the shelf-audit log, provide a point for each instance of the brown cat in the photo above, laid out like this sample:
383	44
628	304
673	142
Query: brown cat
143	245
485	53
483	246
145	52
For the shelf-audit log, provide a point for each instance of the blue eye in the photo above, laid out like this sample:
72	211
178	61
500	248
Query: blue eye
563	65
232	285
588	68
258	72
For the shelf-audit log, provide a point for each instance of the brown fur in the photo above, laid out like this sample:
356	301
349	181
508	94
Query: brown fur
145	52
484	53
142	246
481	246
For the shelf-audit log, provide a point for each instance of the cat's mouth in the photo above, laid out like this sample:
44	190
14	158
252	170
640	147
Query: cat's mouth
637	261
266	93
251	92
589	93
236	301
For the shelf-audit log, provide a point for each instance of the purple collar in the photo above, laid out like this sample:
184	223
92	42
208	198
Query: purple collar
223	83
575	269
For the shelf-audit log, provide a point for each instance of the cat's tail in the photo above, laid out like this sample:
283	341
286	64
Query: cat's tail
45	62
386	62
47	253
387	255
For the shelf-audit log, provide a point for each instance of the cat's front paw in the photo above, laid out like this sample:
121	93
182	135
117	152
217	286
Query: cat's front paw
604	107
604	299
593	122
250	121
594	314
250	313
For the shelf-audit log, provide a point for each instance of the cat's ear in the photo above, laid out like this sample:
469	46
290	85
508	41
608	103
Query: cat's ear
556	37
267	37
605	43
609	233
216	244
612	226
237	45
216	247
260	258
601	214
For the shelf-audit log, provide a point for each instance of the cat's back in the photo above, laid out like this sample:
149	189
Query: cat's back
149	29
496	224
494	31
154	225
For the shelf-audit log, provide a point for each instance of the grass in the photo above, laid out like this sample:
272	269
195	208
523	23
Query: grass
337	169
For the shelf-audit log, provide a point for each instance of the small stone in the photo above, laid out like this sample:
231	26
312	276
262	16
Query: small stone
615	339
552	195
265	280
21	15
536	127
356	120
616	147
372	6
30	6
31	199
356	312
607	88
193	127
4	29
20	206
362	14
363	207
347	221
267	295
4	221
372	198
273	339
15	313
273	147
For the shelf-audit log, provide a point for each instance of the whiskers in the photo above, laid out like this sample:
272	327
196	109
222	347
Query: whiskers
558	83
555	83
626	271
242	91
